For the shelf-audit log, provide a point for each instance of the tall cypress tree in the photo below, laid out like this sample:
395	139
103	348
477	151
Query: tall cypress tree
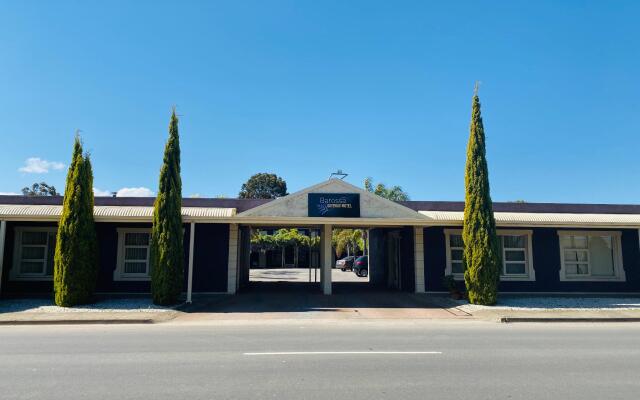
481	251
167	255
76	256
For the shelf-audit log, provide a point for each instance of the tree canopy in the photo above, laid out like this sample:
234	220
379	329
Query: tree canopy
263	186
40	189
167	254
482	257
394	193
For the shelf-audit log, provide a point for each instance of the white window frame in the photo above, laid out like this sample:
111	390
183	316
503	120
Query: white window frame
15	274
530	274
118	273
616	244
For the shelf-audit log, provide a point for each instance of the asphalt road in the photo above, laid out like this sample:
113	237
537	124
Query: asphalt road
445	360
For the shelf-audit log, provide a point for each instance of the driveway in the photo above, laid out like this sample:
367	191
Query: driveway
304	301
301	275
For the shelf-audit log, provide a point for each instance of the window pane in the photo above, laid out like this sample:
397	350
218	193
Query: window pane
514	255
583	255
516	268
34	238
456	268
601	255
33	252
580	242
570	255
572	268
31	267
135	253
456	241
456	255
135	267
136	239
514	242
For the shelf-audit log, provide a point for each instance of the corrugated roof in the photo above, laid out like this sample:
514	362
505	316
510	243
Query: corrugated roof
515	207
543	219
105	213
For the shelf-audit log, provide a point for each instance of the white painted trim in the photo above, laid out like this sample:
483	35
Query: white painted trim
118	272
232	266
325	258
192	233
418	257
618	265
3	235
15	275
531	273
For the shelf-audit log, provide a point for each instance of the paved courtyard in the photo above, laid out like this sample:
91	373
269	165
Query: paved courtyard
301	275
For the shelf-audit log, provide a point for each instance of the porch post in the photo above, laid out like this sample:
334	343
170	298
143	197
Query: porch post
418	256
232	266
325	258
192	233
3	234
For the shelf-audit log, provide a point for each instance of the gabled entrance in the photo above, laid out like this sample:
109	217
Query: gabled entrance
395	259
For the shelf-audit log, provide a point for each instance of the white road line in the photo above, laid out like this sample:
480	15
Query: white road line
321	353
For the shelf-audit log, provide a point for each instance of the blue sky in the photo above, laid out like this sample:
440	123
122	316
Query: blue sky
302	88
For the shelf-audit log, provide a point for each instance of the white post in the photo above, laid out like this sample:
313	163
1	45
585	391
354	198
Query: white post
418	257
325	258
3	234
192	233
232	266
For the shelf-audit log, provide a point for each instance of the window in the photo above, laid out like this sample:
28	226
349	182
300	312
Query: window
34	253
515	247
590	256
133	255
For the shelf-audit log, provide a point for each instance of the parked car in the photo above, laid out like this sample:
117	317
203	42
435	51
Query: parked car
361	266
346	263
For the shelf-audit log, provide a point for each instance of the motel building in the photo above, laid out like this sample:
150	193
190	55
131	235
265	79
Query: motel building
412	245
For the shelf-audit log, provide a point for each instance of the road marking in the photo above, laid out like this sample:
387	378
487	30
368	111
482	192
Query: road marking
321	353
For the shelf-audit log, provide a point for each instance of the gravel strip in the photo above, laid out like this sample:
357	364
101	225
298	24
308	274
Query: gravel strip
557	303
47	306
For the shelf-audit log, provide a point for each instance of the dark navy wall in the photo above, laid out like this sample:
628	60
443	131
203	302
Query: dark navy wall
210	260
546	263
408	276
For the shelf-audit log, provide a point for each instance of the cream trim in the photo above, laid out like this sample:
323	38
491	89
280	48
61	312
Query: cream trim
232	266
15	274
618	265
118	273
418	257
3	235
529	276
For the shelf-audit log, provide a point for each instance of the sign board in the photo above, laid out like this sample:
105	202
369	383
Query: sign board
332	205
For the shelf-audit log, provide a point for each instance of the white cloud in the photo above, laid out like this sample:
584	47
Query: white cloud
103	193
135	192
36	165
9	194
195	196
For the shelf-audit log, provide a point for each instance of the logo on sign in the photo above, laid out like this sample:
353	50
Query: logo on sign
334	205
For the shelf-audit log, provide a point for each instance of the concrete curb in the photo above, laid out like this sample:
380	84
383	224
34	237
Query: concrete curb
507	320
78	322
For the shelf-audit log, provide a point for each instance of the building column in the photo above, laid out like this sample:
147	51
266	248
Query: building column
192	234
232	267
3	235
326	258
418	257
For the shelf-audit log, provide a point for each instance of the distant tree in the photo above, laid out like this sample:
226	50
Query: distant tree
394	193
263	186
350	240
167	253
482	257
76	255
40	189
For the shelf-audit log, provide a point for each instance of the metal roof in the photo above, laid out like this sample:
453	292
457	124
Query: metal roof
110	213
540	219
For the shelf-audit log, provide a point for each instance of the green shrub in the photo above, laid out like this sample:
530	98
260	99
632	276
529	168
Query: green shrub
167	254
76	255
481	251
